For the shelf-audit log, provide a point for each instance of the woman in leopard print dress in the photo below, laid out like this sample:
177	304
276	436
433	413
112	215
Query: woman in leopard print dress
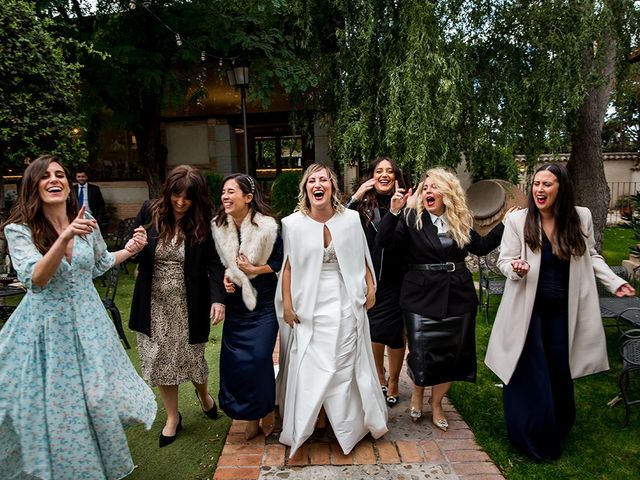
173	320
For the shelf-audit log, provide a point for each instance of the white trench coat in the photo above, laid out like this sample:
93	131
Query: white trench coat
587	343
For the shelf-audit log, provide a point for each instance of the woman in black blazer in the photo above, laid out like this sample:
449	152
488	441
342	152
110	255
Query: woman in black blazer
178	290
437	297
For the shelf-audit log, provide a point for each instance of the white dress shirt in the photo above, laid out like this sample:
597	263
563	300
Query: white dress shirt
439	222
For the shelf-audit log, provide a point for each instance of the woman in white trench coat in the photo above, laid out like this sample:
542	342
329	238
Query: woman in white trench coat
548	328
324	289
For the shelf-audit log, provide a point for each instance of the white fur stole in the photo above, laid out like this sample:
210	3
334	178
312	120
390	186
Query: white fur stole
256	244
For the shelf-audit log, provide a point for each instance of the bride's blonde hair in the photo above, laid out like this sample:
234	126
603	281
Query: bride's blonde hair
456	213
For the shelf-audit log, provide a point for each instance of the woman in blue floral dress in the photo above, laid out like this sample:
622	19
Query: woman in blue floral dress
67	387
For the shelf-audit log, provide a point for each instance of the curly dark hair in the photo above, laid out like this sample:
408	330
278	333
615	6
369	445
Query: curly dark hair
369	201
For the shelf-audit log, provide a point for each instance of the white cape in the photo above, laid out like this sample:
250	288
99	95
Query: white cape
303	249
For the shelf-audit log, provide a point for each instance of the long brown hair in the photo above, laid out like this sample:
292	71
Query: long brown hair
568	238
369	201
28	208
248	185
194	225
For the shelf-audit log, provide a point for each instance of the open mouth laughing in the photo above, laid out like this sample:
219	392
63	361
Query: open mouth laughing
541	199
430	200
318	195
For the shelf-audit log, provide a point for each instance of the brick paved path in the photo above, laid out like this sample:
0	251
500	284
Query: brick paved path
407	451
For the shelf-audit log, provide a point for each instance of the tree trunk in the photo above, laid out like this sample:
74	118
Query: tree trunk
585	164
151	154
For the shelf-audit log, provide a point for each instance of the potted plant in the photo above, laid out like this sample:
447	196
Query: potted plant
624	204
634	252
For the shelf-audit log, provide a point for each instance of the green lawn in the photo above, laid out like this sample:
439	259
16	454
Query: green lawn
597	448
195	452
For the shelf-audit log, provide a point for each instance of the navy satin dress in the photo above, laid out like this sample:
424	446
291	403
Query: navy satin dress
247	380
539	405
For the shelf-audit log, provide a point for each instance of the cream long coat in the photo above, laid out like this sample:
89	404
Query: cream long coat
303	248
587	345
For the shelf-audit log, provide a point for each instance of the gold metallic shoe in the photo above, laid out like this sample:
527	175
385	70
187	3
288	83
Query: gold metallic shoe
442	424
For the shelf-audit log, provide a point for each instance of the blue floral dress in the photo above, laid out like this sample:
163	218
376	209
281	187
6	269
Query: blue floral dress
67	387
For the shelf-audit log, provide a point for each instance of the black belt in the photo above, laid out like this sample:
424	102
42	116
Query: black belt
437	267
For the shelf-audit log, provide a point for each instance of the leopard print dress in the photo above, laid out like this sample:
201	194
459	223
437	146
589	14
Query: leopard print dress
166	357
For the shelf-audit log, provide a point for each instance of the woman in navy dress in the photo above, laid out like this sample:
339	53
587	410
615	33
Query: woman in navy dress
250	247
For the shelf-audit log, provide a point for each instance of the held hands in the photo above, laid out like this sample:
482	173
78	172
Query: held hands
625	290
399	199
217	313
79	226
521	267
137	242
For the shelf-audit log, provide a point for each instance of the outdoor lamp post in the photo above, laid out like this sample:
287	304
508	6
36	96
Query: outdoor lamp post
239	78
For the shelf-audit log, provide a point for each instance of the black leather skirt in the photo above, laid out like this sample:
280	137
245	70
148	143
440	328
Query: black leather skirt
441	350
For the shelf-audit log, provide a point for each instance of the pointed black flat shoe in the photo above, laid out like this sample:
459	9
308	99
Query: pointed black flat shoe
164	440
212	413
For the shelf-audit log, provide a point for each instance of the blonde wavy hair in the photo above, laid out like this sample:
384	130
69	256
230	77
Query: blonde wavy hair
456	213
304	204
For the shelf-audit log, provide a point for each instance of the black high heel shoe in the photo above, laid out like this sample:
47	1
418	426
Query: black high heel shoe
165	440
212	413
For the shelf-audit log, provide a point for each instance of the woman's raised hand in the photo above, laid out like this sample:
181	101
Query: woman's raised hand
399	199
79	225
137	241
414	198
364	188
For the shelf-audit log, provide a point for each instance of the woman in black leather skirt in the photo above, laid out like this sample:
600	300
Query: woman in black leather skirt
438	297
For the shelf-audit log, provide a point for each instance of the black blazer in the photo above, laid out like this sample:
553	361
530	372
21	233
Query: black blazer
203	275
96	202
428	293
388	262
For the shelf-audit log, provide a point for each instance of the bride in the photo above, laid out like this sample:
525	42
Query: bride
325	287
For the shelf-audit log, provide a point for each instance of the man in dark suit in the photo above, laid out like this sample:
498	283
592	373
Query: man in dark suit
91	196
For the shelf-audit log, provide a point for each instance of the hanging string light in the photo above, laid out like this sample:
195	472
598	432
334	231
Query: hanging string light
133	4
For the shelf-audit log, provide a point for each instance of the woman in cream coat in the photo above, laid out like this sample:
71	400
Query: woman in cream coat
324	289
548	328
